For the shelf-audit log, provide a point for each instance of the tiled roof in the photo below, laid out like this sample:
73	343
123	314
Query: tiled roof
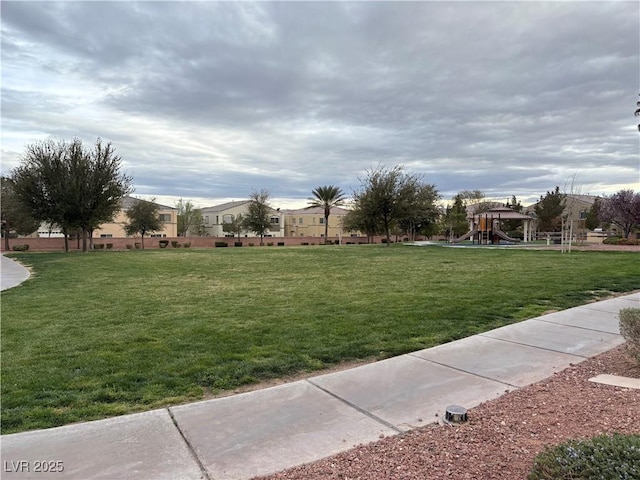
225	206
129	201
315	211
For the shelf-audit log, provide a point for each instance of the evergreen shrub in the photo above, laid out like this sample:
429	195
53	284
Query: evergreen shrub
602	457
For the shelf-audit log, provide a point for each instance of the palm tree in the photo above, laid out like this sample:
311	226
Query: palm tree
326	197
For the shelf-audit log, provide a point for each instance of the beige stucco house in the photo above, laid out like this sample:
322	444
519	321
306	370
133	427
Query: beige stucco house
309	222
115	228
216	216
576	207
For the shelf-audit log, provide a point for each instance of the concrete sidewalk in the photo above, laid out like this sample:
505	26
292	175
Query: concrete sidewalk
11	273
269	430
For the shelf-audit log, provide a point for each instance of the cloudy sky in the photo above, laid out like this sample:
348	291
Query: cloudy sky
209	101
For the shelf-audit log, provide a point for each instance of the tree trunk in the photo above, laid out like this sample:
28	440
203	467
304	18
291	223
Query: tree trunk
326	229
6	241
570	234
84	239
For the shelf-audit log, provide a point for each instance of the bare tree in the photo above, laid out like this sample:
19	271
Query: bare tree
622	209
189	217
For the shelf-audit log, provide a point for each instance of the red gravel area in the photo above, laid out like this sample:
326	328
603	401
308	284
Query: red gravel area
502	436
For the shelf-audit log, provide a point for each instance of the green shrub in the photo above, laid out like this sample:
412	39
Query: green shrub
129	246
20	248
138	245
621	241
630	330
109	246
221	244
237	244
186	245
251	244
175	244
163	243
269	244
601	457
281	244
304	243
612	240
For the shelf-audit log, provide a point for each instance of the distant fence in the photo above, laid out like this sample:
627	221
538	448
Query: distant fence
57	244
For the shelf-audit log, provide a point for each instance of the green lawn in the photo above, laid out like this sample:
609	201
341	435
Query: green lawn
106	333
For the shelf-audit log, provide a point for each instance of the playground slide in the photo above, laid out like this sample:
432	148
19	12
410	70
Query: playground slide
466	236
504	236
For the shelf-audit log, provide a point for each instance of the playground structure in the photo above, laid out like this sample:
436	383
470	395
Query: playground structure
485	227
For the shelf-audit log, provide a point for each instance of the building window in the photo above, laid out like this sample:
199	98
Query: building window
294	221
321	221
275	220
157	235
217	220
206	219
165	217
300	221
227	218
106	235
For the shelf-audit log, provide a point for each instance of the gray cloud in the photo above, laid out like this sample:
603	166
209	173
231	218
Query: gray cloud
218	98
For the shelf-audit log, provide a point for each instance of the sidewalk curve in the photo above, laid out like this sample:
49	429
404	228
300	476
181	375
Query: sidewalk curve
12	273
265	431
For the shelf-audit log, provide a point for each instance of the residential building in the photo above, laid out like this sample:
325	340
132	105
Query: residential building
216	216
115	228
576	206
309	222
